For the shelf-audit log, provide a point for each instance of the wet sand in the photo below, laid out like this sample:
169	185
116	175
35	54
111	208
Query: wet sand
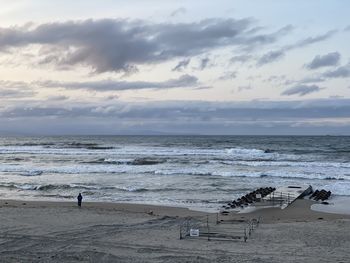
106	232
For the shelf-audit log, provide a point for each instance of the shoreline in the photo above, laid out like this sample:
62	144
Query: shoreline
300	210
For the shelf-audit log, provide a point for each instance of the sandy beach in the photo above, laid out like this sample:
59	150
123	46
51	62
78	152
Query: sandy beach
108	232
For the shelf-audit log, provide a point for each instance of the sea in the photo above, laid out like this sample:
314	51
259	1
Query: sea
197	172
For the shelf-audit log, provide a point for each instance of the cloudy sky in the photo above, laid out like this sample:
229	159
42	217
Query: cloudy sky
174	67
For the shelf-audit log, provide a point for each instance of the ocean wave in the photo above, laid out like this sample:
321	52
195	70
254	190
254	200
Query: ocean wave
306	170
29	144
338	188
48	187
291	164
179	171
85	145
144	151
241	154
241	151
314	176
32	173
24	170
57	196
137	161
333	178
135	189
15	159
82	187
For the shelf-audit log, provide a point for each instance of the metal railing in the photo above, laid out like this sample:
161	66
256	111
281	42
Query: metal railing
278	198
221	230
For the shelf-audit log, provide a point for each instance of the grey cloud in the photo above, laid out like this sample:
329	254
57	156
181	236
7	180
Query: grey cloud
340	72
276	78
228	75
112	97
204	63
122	45
178	11
330	59
203	87
314	79
14	94
15	89
33	111
301	90
347	28
241	58
322	108
266	38
112	85
312	40
175	117
270	57
182	65
242	88
336	97
58	98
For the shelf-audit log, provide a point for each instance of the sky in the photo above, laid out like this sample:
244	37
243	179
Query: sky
272	67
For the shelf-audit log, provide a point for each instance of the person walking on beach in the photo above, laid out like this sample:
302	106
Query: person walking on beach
80	198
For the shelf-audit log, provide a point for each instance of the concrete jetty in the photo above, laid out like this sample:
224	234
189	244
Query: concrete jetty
267	197
284	196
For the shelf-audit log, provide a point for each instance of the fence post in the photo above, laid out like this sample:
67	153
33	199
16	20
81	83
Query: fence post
187	226
281	200
208	227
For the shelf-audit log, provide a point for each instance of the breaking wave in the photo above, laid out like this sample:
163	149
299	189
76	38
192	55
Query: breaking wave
137	161
52	187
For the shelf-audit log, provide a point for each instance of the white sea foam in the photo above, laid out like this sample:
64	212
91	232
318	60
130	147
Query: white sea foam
232	153
318	172
293	164
242	151
338	188
337	205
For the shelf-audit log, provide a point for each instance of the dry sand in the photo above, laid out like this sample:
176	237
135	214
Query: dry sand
102	232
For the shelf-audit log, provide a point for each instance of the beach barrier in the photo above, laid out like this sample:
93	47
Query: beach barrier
250	198
224	230
284	196
320	195
269	196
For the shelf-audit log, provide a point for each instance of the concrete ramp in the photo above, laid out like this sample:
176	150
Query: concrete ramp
284	196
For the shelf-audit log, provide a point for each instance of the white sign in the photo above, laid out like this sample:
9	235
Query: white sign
194	232
258	196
